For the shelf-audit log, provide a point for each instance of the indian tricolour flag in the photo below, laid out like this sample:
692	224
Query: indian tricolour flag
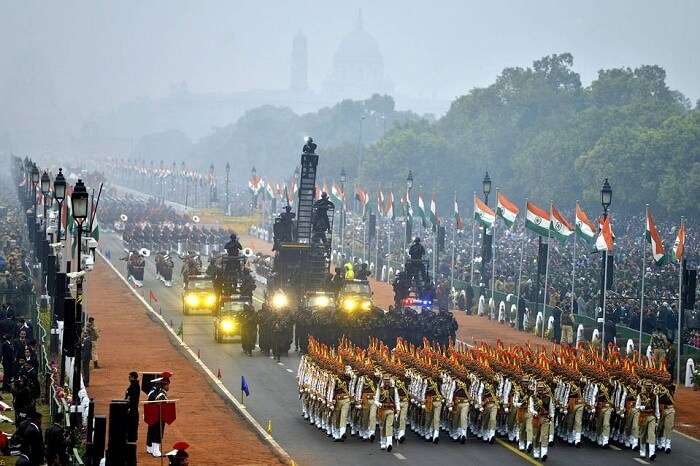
432	215
389	210
584	227
653	238
560	226
255	183
337	194
506	209
421	207
459	224
95	227
483	213
604	242
537	219
679	244
270	191
362	197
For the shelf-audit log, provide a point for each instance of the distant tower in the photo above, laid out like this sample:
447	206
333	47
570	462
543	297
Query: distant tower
299	67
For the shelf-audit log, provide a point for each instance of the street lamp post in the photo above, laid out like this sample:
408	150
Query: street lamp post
254	201
605	201
59	193
79	207
486	185
45	190
343	179
409	220
228	174
35	181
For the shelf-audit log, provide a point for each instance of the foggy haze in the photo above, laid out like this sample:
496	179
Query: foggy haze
65	62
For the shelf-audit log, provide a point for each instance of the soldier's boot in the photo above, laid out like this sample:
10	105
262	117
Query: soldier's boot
577	439
536	452
521	445
634	442
667	445
604	440
155	450
149	449
652	452
436	436
382	443
543	453
389	443
642	450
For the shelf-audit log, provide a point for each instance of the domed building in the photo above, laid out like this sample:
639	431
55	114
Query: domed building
358	67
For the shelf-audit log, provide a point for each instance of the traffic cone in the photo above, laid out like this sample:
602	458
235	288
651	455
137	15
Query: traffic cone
269	426
218	374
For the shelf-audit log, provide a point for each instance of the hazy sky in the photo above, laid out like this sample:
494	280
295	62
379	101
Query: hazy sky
91	55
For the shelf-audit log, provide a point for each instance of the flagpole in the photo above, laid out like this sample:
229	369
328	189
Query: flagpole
546	270
573	265
471	266
364	236
388	250
605	292
452	268
376	255
493	258
680	312
641	304
520	272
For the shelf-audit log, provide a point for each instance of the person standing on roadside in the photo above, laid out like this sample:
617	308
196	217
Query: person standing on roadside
133	394
93	333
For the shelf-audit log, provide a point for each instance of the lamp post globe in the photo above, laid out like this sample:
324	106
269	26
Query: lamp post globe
79	202
606	195
45	184
487	186
35	175
59	186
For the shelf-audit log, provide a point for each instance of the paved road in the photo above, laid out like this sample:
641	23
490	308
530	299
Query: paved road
274	398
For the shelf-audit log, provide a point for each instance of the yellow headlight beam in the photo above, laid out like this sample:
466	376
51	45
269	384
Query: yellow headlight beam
349	305
280	300
227	325
320	301
210	299
192	300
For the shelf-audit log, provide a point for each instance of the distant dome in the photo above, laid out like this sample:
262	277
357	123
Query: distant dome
358	66
358	46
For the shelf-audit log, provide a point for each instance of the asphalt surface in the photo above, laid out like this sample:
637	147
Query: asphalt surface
274	402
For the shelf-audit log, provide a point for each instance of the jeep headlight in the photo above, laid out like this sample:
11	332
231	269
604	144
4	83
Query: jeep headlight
228	325
320	301
279	300
350	304
192	299
210	300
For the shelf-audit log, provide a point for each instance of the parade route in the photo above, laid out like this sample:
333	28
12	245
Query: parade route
131	341
274	403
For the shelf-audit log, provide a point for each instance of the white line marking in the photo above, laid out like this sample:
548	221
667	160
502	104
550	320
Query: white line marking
399	456
639	460
280	364
614	447
237	404
290	371
686	436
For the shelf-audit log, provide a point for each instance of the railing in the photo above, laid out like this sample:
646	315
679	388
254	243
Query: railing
42	321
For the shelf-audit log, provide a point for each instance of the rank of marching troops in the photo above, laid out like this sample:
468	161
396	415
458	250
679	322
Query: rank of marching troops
526	395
